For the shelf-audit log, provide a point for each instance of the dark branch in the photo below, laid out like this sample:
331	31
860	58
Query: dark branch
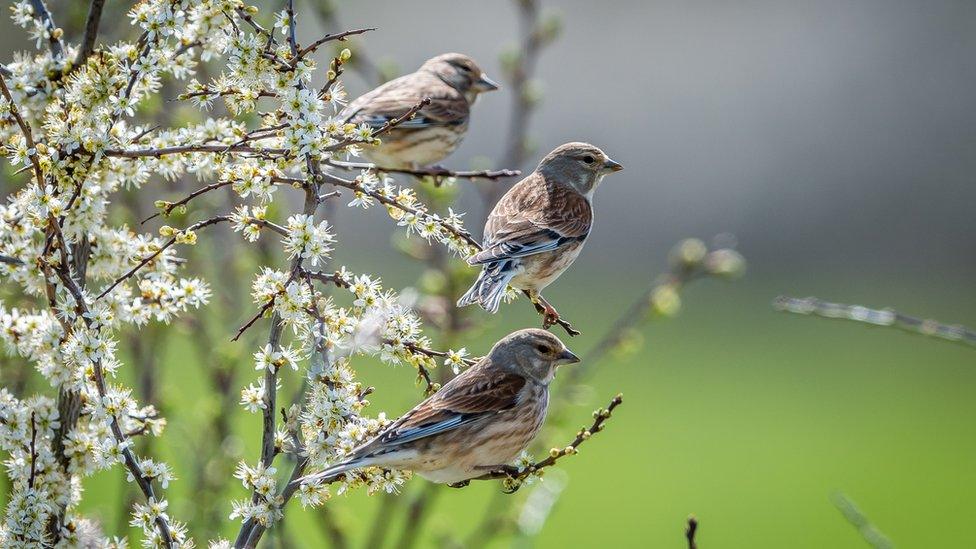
54	33
340	36
690	532
145	261
91	32
437	172
10	260
169	206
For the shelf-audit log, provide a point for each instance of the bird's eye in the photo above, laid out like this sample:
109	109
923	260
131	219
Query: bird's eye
588	159
544	349
465	68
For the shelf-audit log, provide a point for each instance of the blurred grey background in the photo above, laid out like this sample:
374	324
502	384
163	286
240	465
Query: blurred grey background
836	136
833	136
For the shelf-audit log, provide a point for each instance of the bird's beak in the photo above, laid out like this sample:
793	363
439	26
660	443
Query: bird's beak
612	166
485	84
567	357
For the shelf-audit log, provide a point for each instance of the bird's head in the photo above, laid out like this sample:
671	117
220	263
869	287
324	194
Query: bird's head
461	73
581	165
532	353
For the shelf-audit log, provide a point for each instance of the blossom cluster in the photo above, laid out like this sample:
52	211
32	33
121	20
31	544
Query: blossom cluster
78	279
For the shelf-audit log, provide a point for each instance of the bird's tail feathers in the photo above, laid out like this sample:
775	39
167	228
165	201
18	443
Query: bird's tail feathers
334	471
489	289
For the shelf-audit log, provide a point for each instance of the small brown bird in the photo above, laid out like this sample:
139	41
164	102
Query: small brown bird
452	81
478	421
538	228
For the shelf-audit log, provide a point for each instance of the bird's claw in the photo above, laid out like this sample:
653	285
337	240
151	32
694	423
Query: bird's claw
461	484
550	316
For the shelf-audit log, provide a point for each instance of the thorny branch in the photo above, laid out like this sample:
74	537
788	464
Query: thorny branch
956	333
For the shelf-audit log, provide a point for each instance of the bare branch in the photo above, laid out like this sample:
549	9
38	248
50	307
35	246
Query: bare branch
91	32
876	317
515	476
145	261
169	206
340	36
10	260
437	172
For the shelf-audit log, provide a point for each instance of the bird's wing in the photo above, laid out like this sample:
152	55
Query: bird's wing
533	217
391	100
477	393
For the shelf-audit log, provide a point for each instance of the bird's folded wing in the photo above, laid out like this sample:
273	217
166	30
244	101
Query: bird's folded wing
463	400
395	98
534	217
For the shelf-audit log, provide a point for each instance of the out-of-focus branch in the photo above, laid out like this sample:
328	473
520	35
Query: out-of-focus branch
690	260
91	32
690	530
520	64
956	333
10	260
53	31
874	537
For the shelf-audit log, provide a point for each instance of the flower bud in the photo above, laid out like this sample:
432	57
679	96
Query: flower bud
345	55
726	263
688	253
665	300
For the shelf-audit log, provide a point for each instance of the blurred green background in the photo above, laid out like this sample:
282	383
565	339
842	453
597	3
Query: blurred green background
745	417
836	139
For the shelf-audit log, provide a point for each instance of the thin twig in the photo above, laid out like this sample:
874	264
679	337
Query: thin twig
340	36
170	206
956	333
516	475
436	172
142	263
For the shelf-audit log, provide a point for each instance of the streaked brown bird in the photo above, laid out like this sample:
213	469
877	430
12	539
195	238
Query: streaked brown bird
538	228
452	81
480	420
